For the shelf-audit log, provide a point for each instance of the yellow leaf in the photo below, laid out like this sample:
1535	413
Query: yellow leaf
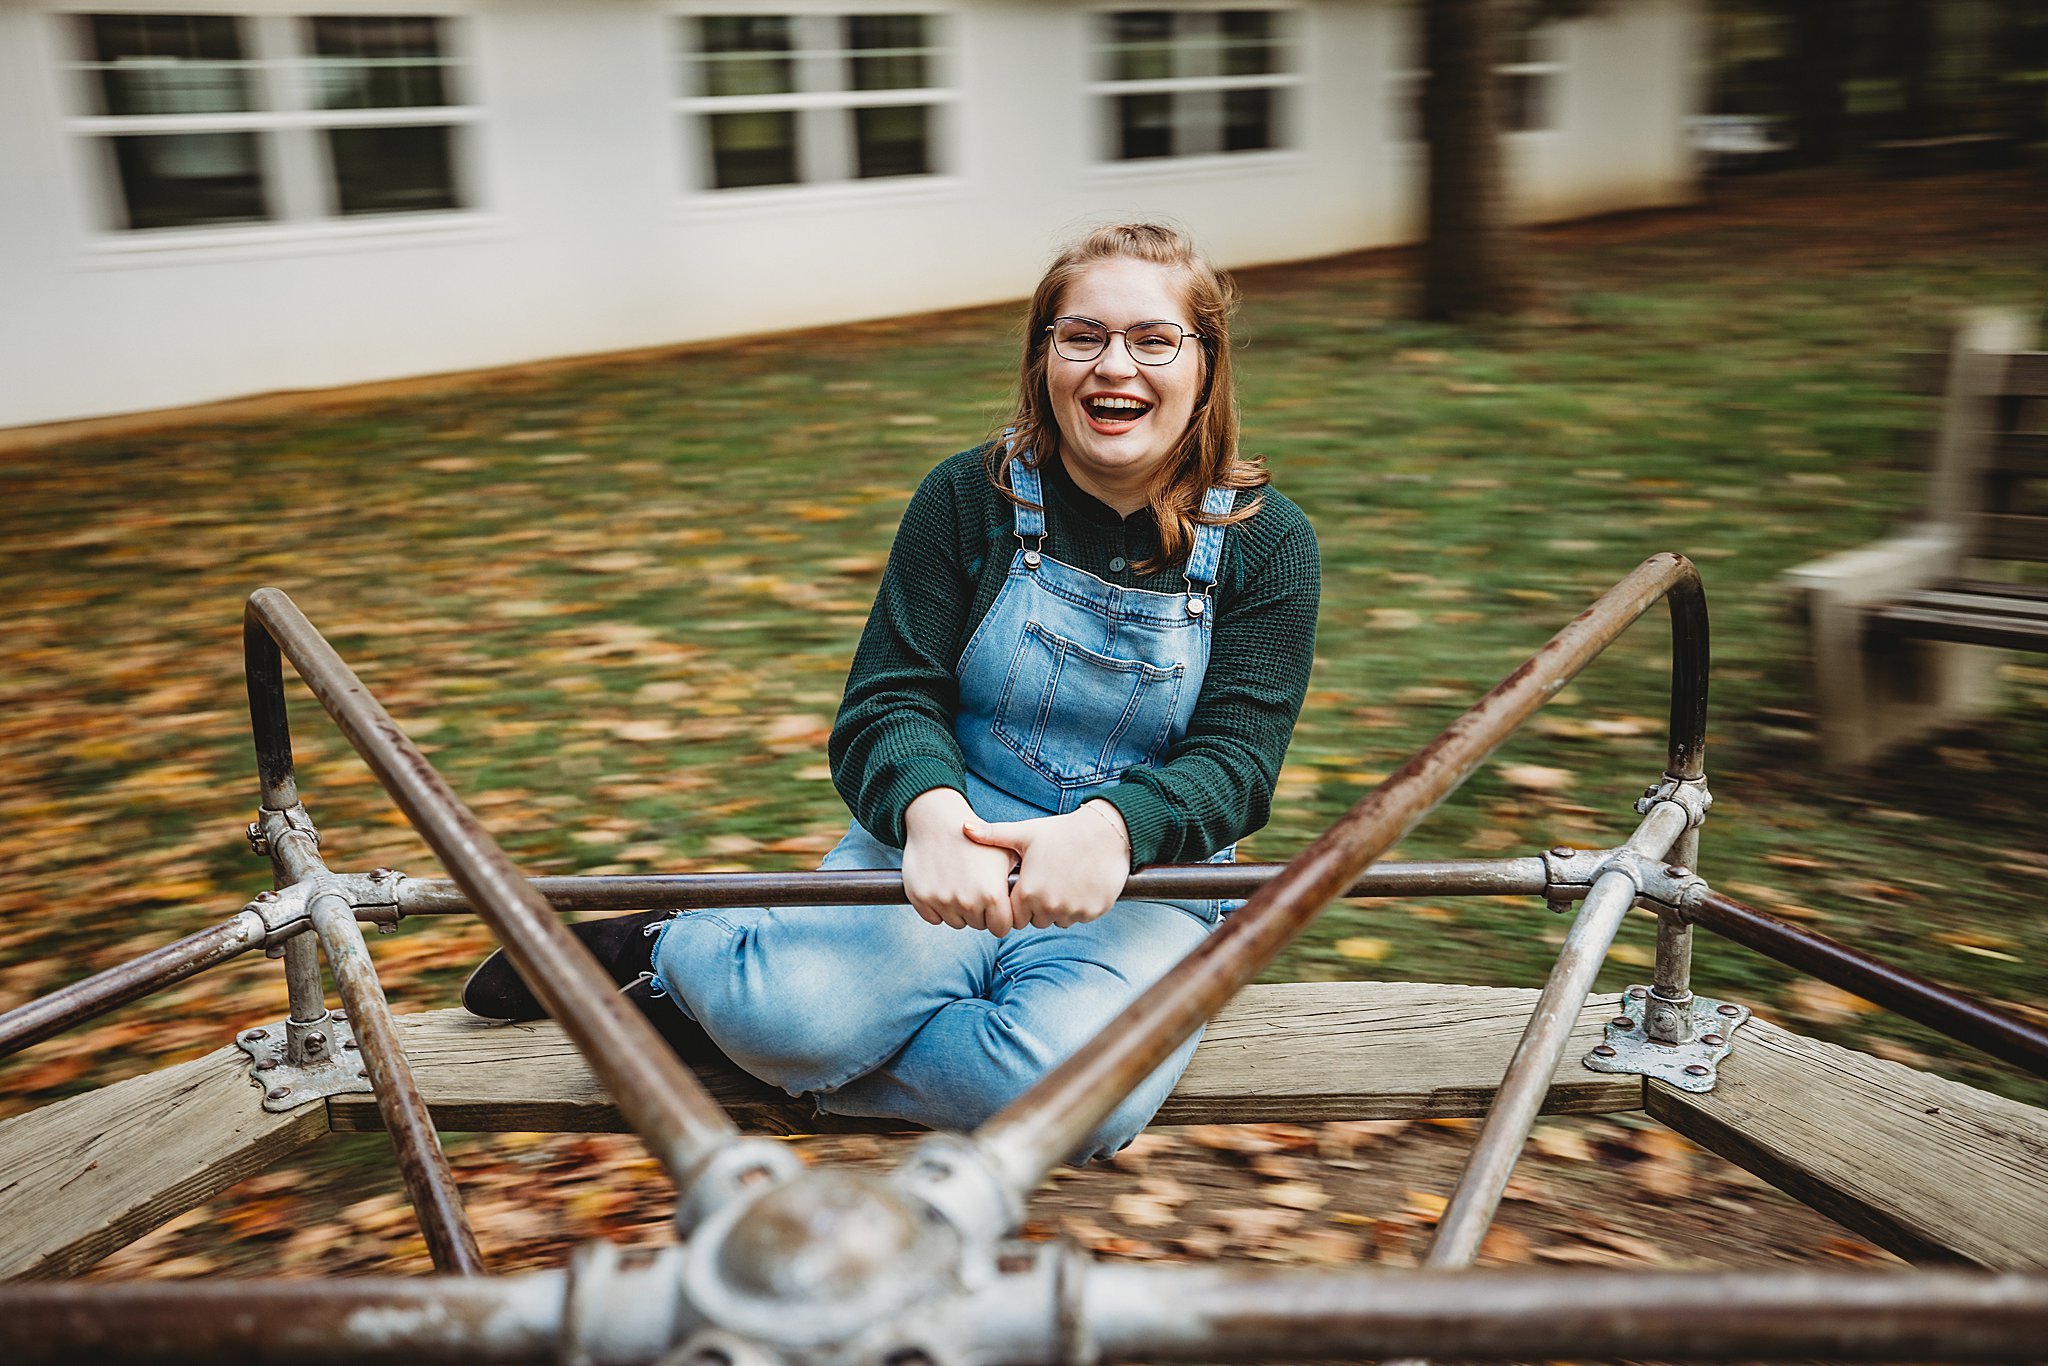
1367	950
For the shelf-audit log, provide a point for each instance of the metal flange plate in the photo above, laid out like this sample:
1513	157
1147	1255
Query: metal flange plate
1688	1066
339	1070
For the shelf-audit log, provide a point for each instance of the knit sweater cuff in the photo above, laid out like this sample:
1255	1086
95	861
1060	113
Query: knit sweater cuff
1145	815
907	780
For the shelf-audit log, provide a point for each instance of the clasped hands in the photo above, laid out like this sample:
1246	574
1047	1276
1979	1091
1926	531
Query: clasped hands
956	867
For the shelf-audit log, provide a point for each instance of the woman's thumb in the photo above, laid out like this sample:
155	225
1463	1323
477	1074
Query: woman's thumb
998	834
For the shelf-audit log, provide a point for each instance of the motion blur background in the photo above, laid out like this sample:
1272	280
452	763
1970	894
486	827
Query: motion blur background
595	347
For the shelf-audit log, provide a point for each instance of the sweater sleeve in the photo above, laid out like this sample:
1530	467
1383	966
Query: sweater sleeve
893	738
1216	785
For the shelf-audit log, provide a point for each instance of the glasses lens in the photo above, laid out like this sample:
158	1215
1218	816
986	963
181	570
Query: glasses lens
1078	339
1153	343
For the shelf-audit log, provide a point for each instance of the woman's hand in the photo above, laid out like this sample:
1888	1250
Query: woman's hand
948	878
1071	868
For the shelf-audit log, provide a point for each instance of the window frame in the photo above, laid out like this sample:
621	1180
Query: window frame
298	174
1289	43
823	107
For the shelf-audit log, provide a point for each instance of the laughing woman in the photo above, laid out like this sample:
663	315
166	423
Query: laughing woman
1087	654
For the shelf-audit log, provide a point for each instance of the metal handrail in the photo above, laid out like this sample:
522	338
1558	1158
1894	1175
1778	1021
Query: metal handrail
1045	1125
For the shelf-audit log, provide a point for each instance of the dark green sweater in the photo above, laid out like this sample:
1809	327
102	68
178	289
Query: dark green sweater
894	736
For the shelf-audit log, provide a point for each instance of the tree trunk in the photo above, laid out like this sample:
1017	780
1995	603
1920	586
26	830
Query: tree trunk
1820	61
1469	264
1916	39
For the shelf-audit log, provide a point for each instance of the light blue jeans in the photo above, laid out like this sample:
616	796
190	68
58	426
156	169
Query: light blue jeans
873	1012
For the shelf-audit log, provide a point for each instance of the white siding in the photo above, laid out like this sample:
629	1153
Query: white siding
587	237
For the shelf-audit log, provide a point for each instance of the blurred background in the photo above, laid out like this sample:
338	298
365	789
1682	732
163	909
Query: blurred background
570	364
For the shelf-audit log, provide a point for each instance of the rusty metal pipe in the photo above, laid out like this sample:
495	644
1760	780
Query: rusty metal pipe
131	981
1167	882
1048	1122
1960	1017
506	1319
1182	1313
1544	1039
421	1163
663	1102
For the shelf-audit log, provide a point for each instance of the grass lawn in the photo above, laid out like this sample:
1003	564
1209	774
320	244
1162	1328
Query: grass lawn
616	602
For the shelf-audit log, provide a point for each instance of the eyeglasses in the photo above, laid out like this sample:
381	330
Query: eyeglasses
1153	343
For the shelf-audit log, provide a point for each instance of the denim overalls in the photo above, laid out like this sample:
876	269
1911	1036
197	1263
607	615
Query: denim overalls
1068	681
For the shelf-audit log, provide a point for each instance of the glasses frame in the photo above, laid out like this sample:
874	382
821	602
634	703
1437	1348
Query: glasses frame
1052	327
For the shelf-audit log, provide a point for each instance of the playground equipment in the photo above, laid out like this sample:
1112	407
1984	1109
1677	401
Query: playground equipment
780	1263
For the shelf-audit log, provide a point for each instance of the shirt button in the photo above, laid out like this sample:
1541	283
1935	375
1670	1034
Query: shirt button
1117	565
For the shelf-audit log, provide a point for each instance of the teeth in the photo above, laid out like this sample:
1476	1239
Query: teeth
1120	404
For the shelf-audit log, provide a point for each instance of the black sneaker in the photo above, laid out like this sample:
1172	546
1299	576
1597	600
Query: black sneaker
621	943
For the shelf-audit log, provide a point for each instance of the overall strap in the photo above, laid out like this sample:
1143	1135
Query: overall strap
1024	482
1207	556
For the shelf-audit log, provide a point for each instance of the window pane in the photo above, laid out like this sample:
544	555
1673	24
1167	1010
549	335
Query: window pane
894	140
744	55
1144	126
1140	46
169	64
1528	102
752	149
383	62
1248	120
1249	48
897	41
393	170
181	180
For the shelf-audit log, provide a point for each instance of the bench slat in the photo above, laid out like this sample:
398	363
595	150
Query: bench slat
1961	627
2026	375
1930	1168
90	1174
2009	536
1301	1051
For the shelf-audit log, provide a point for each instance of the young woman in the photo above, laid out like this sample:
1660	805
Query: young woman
1087	654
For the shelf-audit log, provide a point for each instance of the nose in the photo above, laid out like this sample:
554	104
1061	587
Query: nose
1116	357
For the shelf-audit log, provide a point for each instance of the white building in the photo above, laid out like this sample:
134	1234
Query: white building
254	195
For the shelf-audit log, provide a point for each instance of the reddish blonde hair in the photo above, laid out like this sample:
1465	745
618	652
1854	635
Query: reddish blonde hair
1206	455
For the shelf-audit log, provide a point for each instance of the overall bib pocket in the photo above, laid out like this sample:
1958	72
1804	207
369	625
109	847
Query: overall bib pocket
1053	680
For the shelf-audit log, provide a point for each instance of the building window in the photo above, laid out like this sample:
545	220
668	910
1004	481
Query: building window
205	120
1179	83
785	99
1530	69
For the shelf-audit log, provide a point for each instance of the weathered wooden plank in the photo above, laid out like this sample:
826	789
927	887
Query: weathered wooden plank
1300	1051
87	1175
1930	1168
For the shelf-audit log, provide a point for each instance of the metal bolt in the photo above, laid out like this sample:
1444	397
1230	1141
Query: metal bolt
316	1042
349	1044
255	1034
1624	1022
337	1014
1730	1011
1562	851
266	896
1677	870
1639	992
362	1074
380	873
277	1093
1601	1050
1712	1040
1695	1070
266	1064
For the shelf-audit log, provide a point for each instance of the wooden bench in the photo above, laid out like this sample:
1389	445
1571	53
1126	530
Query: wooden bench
1897	627
1880	1147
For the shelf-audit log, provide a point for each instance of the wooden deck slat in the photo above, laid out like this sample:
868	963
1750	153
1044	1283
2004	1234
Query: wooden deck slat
1300	1051
1930	1168
87	1175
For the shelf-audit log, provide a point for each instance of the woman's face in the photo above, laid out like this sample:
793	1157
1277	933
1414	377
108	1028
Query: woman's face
1119	420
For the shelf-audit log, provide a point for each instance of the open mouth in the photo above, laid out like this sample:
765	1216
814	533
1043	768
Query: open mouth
1116	410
